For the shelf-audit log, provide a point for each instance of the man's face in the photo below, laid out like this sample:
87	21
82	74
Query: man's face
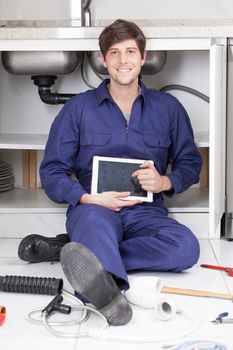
123	61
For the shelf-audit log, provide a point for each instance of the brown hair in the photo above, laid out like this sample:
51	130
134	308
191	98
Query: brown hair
121	30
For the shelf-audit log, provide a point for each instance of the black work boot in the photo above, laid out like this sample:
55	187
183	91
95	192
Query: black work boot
89	279
37	248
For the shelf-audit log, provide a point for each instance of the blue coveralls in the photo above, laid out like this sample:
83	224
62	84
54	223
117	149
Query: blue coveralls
141	237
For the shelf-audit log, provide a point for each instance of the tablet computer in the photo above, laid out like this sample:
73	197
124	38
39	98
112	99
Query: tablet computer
115	174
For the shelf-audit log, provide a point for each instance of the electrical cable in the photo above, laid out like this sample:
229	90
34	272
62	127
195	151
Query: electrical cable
102	333
60	323
83	75
84	308
186	89
85	312
92	67
54	324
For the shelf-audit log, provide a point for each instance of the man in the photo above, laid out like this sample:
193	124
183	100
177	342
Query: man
121	118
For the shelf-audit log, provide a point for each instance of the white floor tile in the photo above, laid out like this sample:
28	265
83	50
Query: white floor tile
17	331
37	343
224	251
9	247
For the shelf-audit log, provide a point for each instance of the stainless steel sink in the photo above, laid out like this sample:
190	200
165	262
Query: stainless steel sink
41	62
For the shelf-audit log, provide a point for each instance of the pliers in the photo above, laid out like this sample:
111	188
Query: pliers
2	314
222	318
228	270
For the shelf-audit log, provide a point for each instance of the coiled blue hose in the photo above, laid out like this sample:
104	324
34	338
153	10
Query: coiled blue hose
199	345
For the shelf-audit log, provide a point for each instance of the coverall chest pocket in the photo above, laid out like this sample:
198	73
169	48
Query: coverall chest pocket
94	139
91	144
157	148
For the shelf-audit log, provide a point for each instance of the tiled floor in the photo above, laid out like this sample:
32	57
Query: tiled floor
18	333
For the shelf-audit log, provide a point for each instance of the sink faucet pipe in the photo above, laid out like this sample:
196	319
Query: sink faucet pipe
86	13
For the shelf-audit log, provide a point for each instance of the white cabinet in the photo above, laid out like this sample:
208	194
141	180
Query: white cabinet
202	210
25	211
217	137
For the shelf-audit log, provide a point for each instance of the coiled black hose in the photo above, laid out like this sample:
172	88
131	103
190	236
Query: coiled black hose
32	285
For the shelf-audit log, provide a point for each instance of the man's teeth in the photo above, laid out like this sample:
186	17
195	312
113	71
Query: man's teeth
124	69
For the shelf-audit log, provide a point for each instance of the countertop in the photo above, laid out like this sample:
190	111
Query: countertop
166	28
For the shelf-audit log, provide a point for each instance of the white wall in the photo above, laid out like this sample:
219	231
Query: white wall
112	9
161	9
40	9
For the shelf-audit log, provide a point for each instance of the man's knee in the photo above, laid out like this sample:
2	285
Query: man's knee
188	251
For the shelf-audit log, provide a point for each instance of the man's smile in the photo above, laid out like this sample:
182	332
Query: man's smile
123	70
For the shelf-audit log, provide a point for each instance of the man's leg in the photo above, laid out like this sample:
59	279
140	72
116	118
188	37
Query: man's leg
92	262
89	279
156	242
37	248
100	230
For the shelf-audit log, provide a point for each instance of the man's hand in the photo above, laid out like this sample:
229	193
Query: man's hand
150	179
111	200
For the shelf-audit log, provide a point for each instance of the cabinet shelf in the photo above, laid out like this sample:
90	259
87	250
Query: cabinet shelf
28	201
23	141
194	200
202	138
37	141
36	201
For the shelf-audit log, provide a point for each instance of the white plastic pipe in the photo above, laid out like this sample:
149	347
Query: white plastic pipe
165	308
145	291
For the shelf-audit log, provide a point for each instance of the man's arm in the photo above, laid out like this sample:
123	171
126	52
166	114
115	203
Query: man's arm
184	155
56	168
60	154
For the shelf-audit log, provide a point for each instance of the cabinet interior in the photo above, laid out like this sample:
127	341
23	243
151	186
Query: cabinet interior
25	121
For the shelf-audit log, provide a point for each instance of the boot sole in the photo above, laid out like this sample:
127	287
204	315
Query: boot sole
43	254
88	277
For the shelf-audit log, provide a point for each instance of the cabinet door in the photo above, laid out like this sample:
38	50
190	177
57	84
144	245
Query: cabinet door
217	137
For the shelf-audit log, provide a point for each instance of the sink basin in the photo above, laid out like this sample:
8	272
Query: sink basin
41	62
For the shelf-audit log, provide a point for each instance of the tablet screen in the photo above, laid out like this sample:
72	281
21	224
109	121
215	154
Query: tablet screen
115	174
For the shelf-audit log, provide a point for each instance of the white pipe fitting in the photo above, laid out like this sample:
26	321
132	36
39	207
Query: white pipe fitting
145	291
165	308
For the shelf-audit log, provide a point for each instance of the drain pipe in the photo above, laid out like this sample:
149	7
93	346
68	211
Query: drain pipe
44	83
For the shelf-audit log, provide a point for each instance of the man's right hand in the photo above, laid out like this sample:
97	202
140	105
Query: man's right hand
111	200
